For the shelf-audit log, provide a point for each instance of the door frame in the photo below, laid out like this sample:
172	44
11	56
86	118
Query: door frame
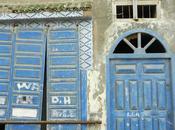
111	56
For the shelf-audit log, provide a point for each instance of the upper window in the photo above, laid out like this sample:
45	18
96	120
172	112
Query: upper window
128	9
147	11
139	43
124	11
143	11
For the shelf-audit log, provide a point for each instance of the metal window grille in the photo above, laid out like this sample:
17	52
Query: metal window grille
136	11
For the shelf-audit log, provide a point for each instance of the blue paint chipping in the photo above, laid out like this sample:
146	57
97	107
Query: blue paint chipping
27	73
4	62
5	36
30	35
28	60
28	48
4	74
64	60
62	34
5	49
3	87
63	47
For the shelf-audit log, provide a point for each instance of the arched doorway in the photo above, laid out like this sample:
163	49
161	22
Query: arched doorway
139	83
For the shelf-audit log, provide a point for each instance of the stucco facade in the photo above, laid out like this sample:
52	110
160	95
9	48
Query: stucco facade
106	30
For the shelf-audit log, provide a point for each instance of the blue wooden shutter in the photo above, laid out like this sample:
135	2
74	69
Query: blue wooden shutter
28	76
6	46
63	77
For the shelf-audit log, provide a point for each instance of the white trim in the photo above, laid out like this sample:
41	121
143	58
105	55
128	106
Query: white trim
10	16
139	2
24	112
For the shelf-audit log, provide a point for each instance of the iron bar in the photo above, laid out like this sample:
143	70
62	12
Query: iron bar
52	122
135	10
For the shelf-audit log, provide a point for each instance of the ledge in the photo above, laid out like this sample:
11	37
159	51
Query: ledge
50	7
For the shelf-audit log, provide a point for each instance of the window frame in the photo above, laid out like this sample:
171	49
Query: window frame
139	2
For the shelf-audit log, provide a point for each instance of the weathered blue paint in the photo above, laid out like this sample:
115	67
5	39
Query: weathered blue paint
6	45
28	77
63	77
84	97
140	93
173	83
66	83
131	107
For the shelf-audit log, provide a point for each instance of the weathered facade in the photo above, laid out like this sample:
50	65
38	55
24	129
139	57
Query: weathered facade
97	33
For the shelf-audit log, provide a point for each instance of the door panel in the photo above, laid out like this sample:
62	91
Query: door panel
142	99
28	77
147	95
63	77
6	45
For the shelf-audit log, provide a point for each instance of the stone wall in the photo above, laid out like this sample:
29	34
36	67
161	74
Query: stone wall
24	2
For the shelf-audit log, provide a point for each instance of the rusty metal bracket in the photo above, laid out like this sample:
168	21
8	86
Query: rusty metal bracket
53	122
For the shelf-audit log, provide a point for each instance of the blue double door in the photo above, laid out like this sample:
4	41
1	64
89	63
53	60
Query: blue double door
140	95
33	60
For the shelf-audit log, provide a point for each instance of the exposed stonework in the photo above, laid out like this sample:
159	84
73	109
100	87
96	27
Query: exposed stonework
49	7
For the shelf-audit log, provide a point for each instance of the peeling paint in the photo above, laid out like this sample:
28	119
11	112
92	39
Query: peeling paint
93	85
96	99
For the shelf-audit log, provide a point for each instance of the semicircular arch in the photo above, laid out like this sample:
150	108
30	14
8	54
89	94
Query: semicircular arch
140	41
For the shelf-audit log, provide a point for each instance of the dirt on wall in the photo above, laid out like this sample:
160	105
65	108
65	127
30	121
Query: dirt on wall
25	2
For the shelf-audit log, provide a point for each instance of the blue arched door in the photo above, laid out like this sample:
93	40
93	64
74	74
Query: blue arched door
140	84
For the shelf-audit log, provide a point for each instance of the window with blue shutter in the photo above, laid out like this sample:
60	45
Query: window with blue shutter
6	46
63	78
28	77
40	77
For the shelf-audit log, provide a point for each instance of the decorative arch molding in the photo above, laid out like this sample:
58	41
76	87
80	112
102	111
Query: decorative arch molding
139	49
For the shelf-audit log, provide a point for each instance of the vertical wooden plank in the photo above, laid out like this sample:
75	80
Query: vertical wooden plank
147	86
6	61
148	124
162	124
134	124
155	124
63	83
133	91
173	88
120	124
161	85
154	93
28	77
120	95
